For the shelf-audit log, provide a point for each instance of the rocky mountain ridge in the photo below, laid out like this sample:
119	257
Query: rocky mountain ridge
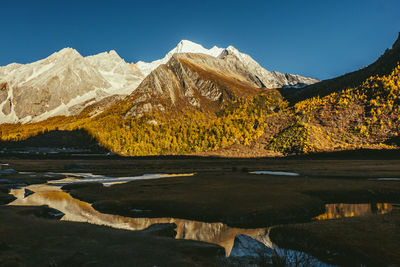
62	84
269	79
66	83
194	81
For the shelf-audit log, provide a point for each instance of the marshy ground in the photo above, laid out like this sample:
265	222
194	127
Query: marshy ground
223	190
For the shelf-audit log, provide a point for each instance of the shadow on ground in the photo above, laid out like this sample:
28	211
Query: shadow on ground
77	141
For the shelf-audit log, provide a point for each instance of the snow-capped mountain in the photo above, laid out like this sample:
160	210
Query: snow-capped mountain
65	83
62	84
121	75
193	81
269	79
183	46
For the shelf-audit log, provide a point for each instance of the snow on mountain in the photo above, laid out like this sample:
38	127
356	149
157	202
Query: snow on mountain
66	82
269	79
62	84
184	46
193	81
121	75
37	88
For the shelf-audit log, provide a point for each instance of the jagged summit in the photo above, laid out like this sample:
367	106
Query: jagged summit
269	79
184	46
113	52
66	52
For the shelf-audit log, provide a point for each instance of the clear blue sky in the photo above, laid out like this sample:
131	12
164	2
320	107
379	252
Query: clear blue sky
320	38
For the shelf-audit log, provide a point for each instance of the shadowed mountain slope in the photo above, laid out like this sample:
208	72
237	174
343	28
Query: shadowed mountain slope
382	66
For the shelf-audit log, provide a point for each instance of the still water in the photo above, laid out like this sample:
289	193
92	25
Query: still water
79	211
75	210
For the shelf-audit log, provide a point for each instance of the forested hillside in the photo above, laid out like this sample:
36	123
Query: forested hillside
363	116
367	116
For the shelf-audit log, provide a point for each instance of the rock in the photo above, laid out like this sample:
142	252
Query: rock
4	87
7	107
193	81
28	192
245	246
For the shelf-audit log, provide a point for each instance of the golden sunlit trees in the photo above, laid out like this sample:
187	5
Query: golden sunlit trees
355	117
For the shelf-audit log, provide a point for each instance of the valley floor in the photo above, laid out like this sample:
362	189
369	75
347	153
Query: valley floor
222	190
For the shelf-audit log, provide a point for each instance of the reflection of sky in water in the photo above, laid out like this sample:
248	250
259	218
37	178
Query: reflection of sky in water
74	178
276	173
386	179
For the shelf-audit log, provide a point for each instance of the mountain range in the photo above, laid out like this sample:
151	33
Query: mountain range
65	83
200	101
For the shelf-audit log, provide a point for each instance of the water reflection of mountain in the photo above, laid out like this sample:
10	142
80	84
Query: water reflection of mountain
341	210
79	211
234	240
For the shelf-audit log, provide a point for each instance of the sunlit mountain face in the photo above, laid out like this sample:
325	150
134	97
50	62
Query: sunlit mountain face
65	83
198	100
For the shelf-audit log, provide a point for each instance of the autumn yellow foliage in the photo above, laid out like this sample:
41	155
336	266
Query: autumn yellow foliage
365	116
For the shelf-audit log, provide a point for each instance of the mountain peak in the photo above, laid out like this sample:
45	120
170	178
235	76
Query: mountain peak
232	48
186	46
187	42
113	53
234	51
67	51
270	80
